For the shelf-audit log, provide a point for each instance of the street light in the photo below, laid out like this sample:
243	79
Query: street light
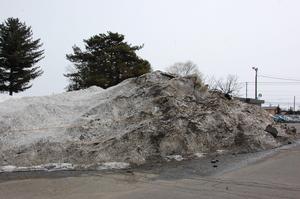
256	69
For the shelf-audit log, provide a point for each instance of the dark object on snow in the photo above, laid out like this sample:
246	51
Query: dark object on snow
215	166
272	130
168	75
293	129
228	96
214	161
81	137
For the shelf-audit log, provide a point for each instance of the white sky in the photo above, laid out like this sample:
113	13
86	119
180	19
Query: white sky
221	37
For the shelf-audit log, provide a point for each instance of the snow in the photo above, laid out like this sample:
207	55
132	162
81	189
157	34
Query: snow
45	167
8	168
221	151
174	157
113	165
30	119
200	155
64	166
155	115
7	97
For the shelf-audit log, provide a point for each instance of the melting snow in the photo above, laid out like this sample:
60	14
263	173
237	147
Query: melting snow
199	155
113	165
175	157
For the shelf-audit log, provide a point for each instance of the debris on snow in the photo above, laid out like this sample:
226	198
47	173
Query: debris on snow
155	115
273	131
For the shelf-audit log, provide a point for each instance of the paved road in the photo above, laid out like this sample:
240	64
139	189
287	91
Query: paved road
274	177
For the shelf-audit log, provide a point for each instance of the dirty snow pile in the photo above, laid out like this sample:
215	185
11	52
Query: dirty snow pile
155	116
7	97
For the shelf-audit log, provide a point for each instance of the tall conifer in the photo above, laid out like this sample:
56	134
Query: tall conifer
19	53
106	61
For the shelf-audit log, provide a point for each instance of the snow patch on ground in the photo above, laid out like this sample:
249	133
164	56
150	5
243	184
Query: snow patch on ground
221	151
174	157
200	155
44	167
8	168
113	165
64	167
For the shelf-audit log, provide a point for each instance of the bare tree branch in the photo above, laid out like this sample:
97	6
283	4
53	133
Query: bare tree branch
184	69
230	86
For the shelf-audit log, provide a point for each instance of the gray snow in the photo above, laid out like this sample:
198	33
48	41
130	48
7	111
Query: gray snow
153	117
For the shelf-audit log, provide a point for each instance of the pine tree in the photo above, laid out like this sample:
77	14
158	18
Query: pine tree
18	55
106	61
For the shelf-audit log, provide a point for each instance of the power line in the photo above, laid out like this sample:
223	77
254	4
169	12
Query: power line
293	83
265	76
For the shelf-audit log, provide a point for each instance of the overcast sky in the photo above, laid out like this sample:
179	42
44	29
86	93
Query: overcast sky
221	37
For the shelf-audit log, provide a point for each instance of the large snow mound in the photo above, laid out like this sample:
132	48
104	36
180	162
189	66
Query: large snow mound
154	116
7	97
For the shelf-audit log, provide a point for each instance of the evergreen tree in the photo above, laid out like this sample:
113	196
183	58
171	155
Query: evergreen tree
106	61
18	55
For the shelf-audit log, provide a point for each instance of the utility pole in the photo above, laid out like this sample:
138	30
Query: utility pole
256	69
294	103
246	90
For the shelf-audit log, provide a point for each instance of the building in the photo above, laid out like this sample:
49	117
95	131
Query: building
251	101
273	110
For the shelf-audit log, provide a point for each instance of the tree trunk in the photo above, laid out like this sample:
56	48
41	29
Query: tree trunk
10	82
